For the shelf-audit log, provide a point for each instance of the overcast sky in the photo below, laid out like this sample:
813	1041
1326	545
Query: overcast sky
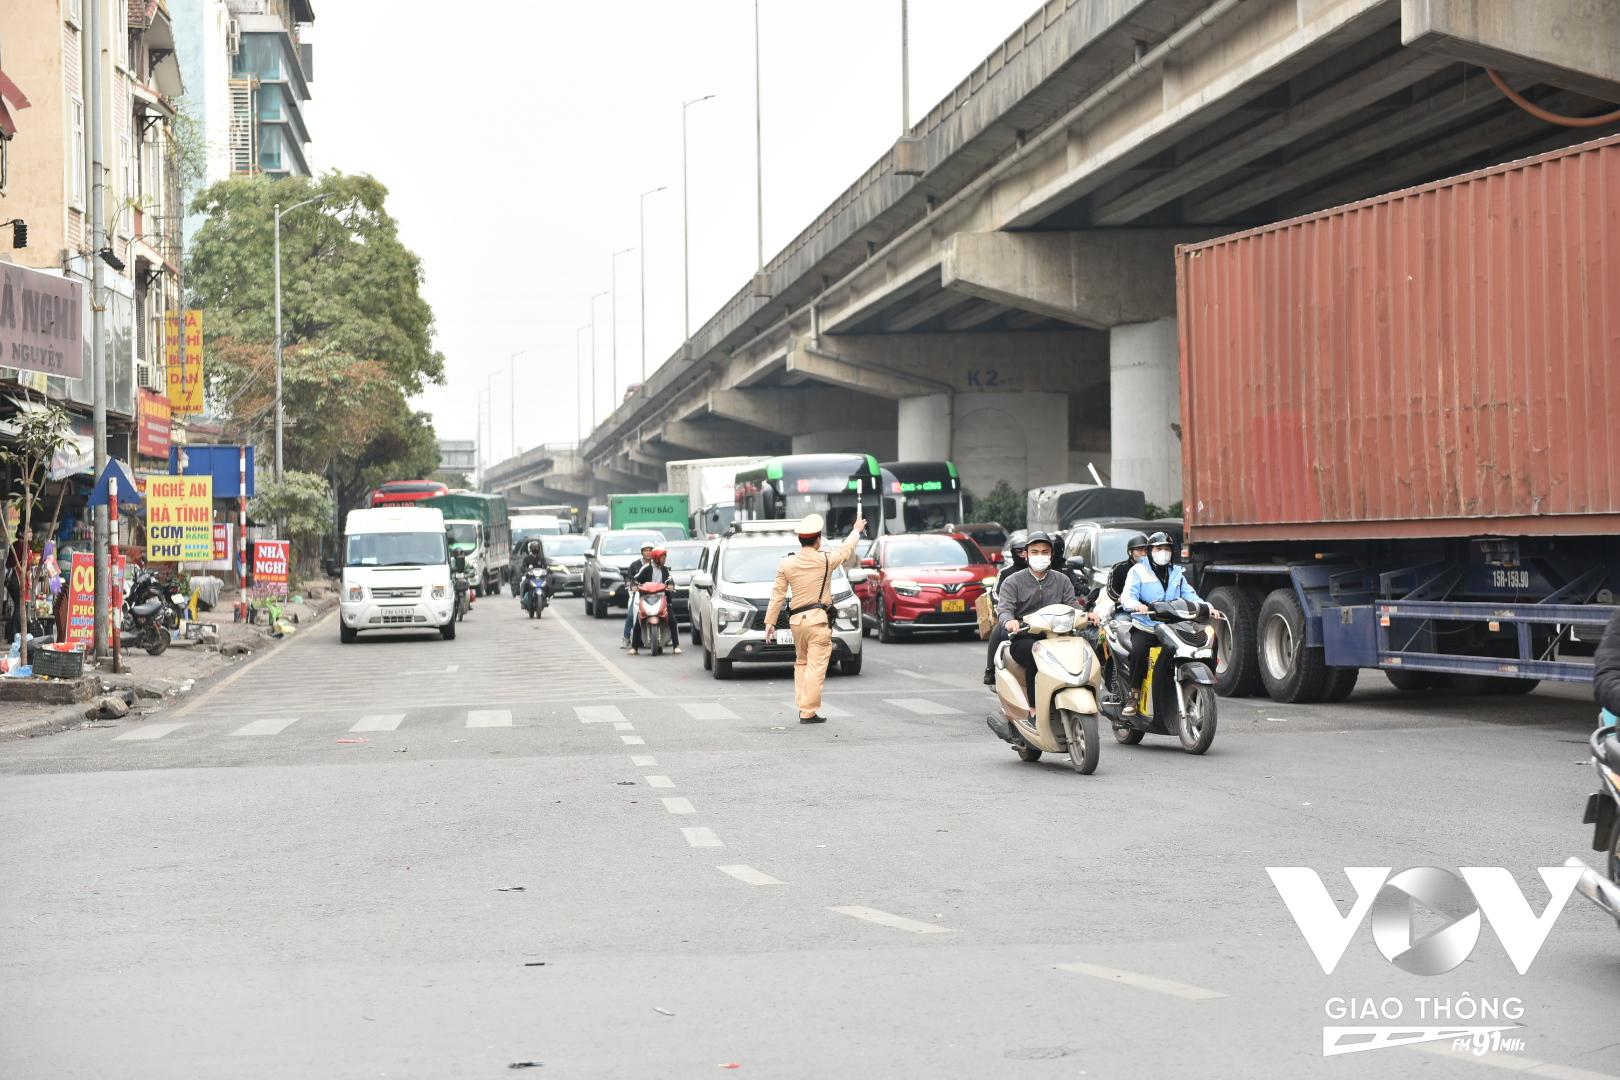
515	142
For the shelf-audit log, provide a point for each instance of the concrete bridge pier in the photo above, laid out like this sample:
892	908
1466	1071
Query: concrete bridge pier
1144	379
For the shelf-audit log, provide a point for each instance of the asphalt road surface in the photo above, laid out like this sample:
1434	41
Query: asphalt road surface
420	858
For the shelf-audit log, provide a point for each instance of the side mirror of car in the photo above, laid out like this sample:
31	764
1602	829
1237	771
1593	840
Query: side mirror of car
702	579
995	557
458	563
869	563
859	574
1076	562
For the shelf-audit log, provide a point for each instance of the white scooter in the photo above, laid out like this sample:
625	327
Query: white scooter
1067	676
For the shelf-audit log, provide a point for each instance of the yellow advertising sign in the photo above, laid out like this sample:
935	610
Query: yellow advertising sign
179	519
186	365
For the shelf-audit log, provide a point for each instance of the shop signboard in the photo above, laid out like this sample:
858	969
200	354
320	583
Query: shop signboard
222	542
180	518
41	322
152	439
270	564
186	376
81	625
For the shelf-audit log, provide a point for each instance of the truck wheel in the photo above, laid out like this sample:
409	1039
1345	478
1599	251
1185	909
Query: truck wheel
1517	686
1410	681
1340	681
1291	671
1237	661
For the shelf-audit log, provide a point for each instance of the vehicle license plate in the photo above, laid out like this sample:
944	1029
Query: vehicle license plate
784	637
953	605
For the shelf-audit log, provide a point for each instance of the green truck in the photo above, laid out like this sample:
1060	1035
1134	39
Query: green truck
666	512
479	528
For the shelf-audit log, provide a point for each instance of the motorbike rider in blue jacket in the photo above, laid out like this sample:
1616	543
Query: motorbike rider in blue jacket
1153	579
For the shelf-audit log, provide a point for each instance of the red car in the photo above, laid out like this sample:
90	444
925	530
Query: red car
926	581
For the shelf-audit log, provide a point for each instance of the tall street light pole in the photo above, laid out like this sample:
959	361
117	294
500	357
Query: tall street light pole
579	392
280	213
594	397
513	396
759	147
642	259
686	220
613	314
905	70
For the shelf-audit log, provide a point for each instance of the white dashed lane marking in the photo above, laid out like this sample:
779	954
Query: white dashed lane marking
148	731
922	706
381	722
899	922
489	718
599	714
750	875
708	710
633	740
641	761
701	837
624	727
1144	982
1512	1061
657	781
833	712
678	806
452	667
264	727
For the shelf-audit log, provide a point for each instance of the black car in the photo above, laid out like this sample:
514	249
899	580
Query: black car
1101	541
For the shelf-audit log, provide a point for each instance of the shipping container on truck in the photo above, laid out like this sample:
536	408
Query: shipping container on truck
1401	433
489	547
668	512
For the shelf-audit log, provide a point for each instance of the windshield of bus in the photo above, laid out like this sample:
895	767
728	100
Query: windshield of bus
396	549
838	509
570	544
931	551
462	533
627	543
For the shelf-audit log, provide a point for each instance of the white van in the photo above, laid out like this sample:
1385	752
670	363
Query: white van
396	572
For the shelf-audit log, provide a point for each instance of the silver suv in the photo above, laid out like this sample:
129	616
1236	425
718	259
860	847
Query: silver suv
731	590
607	559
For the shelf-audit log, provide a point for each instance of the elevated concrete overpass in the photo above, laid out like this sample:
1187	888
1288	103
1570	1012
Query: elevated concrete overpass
998	288
547	475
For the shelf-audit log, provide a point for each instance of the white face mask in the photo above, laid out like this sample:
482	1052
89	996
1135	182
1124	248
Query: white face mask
1039	563
1161	557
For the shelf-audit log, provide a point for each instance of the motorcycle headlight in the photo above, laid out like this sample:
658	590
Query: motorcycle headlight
356	593
1062	624
438	592
907	588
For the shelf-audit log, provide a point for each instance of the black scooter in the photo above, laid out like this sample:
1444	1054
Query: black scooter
1178	693
536	591
1603	814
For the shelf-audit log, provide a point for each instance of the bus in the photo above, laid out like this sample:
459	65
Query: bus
928	494
839	487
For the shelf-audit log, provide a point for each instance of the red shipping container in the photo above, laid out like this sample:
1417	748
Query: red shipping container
1440	361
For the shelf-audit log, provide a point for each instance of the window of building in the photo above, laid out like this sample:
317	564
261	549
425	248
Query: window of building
77	180
75	12
270	101
260	55
270	148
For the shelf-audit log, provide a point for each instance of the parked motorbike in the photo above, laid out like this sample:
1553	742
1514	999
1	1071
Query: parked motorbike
1603	813
535	592
1178	693
145	586
143	622
653	614
1067	676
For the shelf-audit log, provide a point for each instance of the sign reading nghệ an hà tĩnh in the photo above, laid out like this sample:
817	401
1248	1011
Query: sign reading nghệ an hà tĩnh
180	519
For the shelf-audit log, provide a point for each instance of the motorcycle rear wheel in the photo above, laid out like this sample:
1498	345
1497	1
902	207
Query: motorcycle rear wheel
658	640
1127	736
1080	729
1027	752
154	639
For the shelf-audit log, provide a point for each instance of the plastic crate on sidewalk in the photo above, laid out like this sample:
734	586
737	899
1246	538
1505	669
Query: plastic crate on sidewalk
59	662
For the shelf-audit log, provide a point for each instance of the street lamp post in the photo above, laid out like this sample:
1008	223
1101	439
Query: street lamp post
759	147
642	259
579	383
594	396
613	312
905	70
686	226
513	395
280	213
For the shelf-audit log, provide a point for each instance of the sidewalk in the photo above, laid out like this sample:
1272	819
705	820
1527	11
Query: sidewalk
162	682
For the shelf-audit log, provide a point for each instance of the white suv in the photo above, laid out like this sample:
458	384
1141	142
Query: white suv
731	591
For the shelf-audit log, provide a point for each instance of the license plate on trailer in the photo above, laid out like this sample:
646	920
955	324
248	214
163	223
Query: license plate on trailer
953	605
784	637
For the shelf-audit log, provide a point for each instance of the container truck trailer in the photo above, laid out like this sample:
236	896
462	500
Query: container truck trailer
1400	441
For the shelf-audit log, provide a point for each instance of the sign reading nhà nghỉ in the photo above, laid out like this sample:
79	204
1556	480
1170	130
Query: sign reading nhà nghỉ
271	559
179	518
41	322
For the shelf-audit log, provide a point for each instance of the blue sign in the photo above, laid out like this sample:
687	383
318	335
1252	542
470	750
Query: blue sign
223	463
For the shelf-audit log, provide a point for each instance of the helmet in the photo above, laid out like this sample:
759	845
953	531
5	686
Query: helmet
1018	541
659	553
1038	537
534	546
1160	539
1137	540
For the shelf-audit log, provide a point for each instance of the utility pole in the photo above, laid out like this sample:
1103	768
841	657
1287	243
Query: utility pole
905	70
759	146
613	317
98	332
686	219
642	260
279	214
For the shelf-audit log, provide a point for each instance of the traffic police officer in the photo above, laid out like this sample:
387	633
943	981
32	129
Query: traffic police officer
808	572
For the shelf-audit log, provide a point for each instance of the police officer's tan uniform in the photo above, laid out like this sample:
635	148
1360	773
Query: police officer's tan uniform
808	572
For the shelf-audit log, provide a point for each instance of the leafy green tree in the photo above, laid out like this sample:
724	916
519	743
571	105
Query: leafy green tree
358	334
1003	504
39	431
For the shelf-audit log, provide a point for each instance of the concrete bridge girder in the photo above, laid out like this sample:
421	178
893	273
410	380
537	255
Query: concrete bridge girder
801	410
